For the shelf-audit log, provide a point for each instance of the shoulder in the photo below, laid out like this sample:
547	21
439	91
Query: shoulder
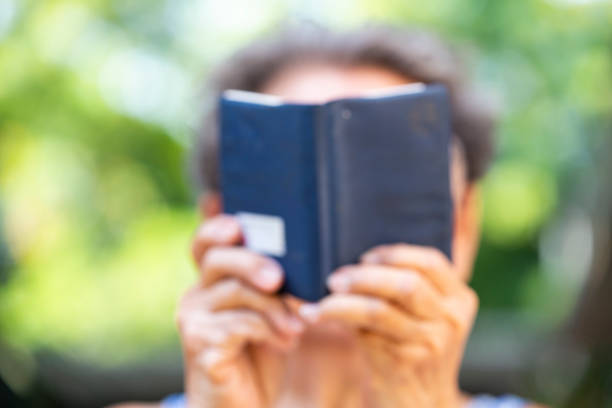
171	401
505	401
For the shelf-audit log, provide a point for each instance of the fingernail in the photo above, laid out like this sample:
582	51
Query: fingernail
309	312
268	276
339	283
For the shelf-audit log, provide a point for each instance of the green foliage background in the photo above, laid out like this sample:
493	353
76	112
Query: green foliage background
99	99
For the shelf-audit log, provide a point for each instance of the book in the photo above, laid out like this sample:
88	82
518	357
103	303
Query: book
316	185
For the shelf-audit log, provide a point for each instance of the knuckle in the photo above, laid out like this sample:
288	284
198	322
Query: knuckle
201	233
401	246
381	247
434	258
245	259
188	332
215	334
251	318
207	366
208	362
221	219
232	289
376	309
414	352
408	284
472	307
222	337
468	300
456	319
413	282
345	269
461	311
230	260
213	255
438	344
191	337
471	298
222	227
400	249
256	260
183	306
436	339
204	237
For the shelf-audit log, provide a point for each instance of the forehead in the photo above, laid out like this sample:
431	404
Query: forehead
320	82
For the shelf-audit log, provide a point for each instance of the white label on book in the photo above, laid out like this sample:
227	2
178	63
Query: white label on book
263	233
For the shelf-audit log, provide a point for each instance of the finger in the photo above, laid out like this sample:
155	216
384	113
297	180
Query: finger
220	337
430	262
222	230
242	326
228	330
231	262
368	313
194	314
230	294
405	288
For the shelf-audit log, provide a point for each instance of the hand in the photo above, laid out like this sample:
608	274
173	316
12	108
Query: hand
412	315
234	330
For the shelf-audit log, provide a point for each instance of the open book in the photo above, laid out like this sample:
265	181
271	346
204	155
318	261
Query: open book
316	185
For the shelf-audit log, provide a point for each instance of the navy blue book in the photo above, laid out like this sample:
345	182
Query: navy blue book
316	185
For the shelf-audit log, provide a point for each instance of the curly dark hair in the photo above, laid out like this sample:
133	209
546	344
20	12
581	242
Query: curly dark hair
410	52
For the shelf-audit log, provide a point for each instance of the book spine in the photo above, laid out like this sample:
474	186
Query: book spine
325	182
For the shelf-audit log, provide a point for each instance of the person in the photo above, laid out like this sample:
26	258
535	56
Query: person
392	331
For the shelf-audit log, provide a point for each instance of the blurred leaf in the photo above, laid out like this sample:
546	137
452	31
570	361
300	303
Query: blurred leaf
518	199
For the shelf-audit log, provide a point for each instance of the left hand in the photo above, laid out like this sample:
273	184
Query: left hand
412	314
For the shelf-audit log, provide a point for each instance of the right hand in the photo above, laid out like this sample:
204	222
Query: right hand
235	331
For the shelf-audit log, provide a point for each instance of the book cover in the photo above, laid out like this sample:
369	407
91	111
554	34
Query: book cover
315	186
